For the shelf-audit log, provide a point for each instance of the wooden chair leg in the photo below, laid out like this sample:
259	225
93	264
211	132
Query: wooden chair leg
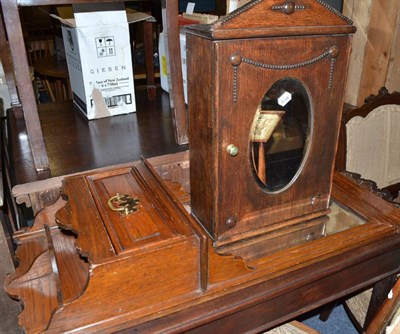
148	51
377	307
385	312
327	311
47	85
353	319
378	298
12	23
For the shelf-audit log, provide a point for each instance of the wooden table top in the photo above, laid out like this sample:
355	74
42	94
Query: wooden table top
51	66
148	288
75	144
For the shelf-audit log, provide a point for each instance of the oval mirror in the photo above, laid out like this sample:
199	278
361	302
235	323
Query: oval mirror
279	134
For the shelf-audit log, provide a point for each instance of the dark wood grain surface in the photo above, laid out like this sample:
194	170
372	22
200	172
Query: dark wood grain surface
75	144
52	67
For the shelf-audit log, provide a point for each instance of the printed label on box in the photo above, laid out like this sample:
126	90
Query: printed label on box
100	64
105	46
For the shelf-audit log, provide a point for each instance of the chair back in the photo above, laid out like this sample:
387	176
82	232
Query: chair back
369	141
39	45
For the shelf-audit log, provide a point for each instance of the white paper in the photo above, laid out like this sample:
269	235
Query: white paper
284	99
190	8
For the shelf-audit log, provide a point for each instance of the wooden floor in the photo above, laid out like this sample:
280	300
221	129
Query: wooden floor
75	144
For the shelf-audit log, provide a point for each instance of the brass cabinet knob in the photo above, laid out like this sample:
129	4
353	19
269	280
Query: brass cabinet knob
232	150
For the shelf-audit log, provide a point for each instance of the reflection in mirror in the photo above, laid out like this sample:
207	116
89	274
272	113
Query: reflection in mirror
279	134
340	218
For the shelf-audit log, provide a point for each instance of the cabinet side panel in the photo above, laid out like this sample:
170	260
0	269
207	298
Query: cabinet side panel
200	102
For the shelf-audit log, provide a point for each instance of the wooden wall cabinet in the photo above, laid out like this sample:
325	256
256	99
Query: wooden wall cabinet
241	68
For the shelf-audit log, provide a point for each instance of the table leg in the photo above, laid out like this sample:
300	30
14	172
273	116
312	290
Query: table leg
379	298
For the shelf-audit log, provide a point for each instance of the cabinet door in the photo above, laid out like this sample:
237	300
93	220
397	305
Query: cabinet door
289	91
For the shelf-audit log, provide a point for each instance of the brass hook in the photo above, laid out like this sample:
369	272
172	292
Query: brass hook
124	204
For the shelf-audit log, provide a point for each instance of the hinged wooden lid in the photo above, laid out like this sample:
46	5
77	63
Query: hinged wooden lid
121	211
263	18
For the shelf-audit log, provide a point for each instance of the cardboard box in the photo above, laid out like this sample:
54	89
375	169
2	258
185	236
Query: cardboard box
232	5
184	19
5	99
165	78
98	51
